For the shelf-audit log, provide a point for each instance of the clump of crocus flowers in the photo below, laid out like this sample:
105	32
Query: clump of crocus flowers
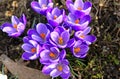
49	42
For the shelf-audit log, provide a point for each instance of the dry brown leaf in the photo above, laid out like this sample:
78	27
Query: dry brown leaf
22	71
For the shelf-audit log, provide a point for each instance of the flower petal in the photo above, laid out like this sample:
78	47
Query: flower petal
78	3
9	29
14	20
41	28
54	36
55	73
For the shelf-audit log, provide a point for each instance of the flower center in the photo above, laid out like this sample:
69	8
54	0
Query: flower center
15	26
77	49
59	67
52	55
33	50
82	36
77	21
42	35
79	8
55	17
60	40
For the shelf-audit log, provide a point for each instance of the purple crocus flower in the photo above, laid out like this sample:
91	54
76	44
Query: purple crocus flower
82	35
79	8
55	17
42	6
41	34
60	38
79	49
78	23
56	69
15	28
32	49
52	55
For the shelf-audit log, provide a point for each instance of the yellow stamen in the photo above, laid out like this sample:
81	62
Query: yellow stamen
59	67
82	36
60	40
77	49
15	26
79	8
77	21
33	50
52	55
55	17
42	35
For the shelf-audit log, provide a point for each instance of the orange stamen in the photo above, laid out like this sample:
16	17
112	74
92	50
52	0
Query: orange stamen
33	50
60	40
79	8
59	67
82	36
77	21
55	17
77	49
42	35
15	26
52	55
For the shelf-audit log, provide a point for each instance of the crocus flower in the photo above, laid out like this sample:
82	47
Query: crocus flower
55	17
32	50
79	49
42	6
52	55
83	35
41	34
56	69
15	28
79	8
77	23
60	39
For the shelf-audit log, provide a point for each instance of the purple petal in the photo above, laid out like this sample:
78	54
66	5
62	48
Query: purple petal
46	70
41	28
65	61
23	19
78	13
37	38
84	48
35	5
87	5
59	19
6	25
44	54
53	23
43	2
20	27
56	11
29	56
26	39
85	19
34	43
16	34
78	3
50	5
65	76
66	69
54	36
27	47
90	38
54	49
86	31
55	73
14	20
31	31
62	54
9	30
78	43
71	42
66	36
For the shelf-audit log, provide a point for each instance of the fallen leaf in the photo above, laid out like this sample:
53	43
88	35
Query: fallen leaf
21	71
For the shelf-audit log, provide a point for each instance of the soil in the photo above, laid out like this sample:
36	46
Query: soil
103	59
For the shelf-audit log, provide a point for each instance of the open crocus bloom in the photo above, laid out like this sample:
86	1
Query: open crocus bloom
55	17
79	8
42	6
32	50
41	34
83	35
77	23
15	28
56	69
80	50
51	55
